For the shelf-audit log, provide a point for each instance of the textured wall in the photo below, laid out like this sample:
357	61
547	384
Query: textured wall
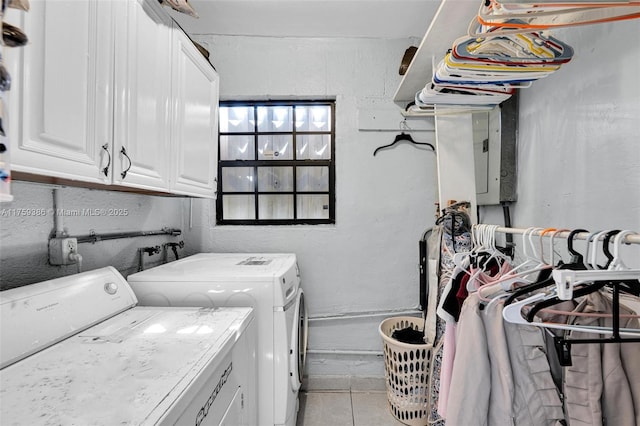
24	238
368	260
578	151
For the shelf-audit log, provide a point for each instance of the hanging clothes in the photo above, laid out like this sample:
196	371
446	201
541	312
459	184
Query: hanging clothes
456	237
602	387
501	374
501	366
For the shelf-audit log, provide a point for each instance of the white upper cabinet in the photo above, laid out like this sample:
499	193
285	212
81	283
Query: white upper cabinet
195	94
142	126
60	102
112	92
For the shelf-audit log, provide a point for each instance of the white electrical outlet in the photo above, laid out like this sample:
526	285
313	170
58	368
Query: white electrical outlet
60	250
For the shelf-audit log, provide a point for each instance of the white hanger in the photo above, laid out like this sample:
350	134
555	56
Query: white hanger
490	246
617	263
509	278
533	263
594	250
585	259
513	314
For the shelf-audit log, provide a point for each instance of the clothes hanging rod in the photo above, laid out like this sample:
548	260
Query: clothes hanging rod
94	238
628	239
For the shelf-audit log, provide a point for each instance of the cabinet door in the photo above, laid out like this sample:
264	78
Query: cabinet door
61	98
195	132
142	89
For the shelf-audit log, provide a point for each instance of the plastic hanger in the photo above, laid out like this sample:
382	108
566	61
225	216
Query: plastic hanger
605	246
622	279
512	277
593	262
480	27
587	254
513	314
544	280
533	263
576	258
542	234
617	263
402	136
552	246
493	254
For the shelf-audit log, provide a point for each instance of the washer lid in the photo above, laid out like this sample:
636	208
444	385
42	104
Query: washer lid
61	307
129	369
220	266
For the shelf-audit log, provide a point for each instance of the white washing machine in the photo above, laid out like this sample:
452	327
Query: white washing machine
270	283
76	351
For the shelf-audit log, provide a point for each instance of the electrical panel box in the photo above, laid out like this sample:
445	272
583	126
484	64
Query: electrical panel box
494	146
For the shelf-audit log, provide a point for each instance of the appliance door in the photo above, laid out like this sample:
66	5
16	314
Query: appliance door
298	341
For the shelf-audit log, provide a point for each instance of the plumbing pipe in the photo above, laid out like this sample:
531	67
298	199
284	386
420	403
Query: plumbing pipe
344	352
373	314
58	224
94	238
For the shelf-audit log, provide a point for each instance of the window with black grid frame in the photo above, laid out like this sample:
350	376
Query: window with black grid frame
276	163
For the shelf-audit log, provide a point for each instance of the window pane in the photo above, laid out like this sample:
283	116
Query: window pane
313	206
274	119
313	147
312	179
315	118
238	207
275	179
237	179
275	206
275	147
236	119
237	148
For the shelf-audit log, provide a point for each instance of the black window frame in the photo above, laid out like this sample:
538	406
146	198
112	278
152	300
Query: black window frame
294	163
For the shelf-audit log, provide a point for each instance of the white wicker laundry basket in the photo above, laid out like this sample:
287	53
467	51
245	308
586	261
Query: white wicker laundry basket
407	372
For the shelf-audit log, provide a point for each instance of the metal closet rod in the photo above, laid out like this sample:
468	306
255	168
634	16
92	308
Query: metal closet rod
628	239
94	238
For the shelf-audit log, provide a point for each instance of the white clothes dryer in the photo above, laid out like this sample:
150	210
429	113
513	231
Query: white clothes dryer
269	283
77	351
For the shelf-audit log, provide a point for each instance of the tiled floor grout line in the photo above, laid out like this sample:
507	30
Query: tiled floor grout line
369	412
353	416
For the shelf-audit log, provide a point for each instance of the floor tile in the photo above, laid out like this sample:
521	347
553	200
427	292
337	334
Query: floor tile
325	409
371	409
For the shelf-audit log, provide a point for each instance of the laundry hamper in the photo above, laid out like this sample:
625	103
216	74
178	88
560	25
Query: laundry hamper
407	368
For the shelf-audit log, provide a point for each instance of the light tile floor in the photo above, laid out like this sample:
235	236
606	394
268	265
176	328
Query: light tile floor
345	408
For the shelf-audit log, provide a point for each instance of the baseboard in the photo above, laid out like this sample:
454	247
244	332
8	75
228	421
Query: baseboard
343	383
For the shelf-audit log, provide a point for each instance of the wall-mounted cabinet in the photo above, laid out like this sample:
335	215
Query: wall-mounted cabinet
100	96
195	90
60	103
142	93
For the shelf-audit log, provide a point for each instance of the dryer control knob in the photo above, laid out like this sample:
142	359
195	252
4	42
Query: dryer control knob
111	288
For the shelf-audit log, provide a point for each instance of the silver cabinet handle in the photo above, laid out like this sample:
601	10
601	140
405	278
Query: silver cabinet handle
105	171
124	152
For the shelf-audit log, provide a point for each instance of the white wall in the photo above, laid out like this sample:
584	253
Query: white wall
368	261
24	238
578	143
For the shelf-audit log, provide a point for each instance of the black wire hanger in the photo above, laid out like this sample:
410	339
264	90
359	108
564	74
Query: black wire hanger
403	137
